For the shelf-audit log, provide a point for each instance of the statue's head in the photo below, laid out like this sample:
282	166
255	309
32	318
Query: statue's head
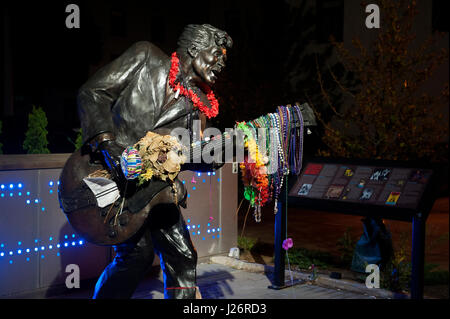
206	46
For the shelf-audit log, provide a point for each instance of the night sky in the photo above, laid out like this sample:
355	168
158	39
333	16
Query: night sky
50	62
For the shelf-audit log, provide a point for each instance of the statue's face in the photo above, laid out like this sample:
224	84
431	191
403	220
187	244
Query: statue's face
209	63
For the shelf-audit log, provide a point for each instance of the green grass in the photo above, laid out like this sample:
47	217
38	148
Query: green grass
304	258
435	277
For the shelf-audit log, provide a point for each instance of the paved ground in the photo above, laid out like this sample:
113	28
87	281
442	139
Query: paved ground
224	282
220	281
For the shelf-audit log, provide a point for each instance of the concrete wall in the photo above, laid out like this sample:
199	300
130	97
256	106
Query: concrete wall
37	242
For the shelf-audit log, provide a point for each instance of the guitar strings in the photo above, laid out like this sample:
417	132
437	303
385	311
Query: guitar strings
119	212
109	211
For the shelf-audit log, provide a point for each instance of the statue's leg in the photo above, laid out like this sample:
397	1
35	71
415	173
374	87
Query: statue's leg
177	253
132	261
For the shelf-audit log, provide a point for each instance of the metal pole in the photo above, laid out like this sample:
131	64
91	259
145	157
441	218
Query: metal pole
418	257
280	253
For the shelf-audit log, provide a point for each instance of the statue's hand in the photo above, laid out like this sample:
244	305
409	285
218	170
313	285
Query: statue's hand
112	152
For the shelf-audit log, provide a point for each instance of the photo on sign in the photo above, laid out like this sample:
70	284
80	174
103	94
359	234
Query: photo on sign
366	194
349	172
362	183
380	174
400	183
313	169
334	191
393	198
304	190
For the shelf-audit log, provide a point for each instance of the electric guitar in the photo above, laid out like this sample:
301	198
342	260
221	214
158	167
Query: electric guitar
119	221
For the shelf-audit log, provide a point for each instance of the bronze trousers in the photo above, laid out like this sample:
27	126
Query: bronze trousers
166	235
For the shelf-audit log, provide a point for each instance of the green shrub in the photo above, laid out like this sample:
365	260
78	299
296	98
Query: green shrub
36	135
435	277
346	246
246	243
78	140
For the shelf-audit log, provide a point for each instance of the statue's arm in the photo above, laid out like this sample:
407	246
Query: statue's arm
97	96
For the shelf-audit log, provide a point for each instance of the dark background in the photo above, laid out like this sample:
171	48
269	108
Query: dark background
47	62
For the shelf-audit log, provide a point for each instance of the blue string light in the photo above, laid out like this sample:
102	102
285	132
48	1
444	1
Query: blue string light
22	251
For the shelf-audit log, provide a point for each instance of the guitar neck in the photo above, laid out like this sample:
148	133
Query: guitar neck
218	142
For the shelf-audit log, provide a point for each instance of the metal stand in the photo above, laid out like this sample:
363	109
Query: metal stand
280	254
417	257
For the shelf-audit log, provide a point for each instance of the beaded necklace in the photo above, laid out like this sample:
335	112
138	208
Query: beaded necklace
283	133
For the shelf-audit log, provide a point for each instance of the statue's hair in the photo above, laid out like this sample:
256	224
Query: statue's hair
203	36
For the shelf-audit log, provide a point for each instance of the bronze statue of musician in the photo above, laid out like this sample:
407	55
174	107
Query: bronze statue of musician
146	90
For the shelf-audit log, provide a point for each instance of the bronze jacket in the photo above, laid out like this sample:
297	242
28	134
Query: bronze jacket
131	96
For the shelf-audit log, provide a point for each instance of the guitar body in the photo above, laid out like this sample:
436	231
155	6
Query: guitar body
109	225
